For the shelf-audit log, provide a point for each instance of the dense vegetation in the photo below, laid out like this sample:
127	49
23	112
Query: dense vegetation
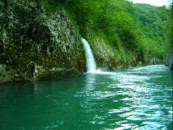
153	23
137	30
170	27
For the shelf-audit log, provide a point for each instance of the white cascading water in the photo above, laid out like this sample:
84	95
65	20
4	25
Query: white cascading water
90	62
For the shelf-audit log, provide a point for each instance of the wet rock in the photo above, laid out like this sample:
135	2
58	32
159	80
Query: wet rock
6	75
29	36
169	59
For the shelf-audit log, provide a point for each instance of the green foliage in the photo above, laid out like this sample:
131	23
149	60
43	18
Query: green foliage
135	29
152	23
50	5
170	27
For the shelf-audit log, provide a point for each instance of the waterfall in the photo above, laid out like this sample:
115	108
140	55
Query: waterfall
90	62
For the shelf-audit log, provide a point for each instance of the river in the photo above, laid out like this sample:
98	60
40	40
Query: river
138	98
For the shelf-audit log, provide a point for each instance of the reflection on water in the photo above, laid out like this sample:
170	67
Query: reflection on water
137	98
90	81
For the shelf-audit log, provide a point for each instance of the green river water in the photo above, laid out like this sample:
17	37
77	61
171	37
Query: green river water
137	98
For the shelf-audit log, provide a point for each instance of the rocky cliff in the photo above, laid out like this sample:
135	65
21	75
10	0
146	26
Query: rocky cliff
169	59
34	44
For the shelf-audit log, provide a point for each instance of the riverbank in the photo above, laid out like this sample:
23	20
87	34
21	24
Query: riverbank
8	75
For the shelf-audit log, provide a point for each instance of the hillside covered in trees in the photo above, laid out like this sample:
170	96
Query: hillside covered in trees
134	31
43	37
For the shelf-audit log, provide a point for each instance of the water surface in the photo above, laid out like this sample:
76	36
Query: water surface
137	98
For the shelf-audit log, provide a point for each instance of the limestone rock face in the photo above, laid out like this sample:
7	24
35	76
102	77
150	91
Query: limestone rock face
34	44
